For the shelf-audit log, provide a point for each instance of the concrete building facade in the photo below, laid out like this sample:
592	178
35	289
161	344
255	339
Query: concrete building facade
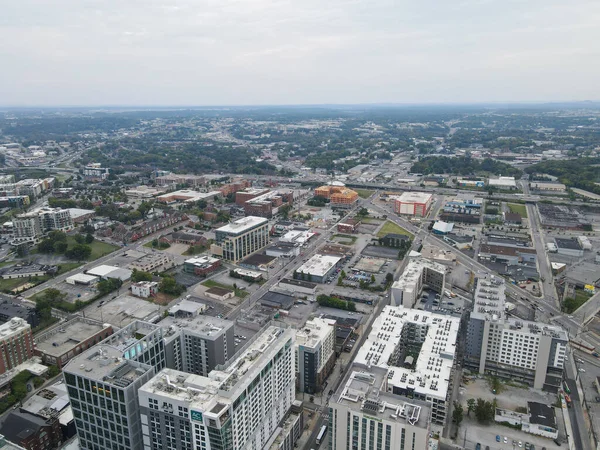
235	241
315	354
16	344
419	273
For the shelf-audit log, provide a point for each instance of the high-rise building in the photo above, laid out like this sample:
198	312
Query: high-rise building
236	240
16	343
238	406
419	273
366	414
197	344
315	354
103	391
530	352
418	351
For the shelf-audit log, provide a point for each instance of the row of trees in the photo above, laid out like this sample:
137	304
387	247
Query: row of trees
334	302
484	410
56	242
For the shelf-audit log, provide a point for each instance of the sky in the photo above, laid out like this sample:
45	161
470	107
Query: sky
268	52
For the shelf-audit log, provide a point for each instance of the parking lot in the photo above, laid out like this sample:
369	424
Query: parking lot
510	398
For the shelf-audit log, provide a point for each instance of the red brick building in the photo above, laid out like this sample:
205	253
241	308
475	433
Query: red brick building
16	343
242	197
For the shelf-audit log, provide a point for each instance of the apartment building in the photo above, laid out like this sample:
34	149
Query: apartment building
144	289
103	391
419	273
31	226
197	344
237	406
16	343
236	240
315	354
398	334
526	351
365	414
339	196
95	171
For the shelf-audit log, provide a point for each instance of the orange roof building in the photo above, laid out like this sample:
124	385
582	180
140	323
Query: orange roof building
338	195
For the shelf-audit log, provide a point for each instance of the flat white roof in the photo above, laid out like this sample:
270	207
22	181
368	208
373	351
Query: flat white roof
443	227
413	271
414	197
319	265
503	181
192	196
82	278
241	225
77	212
314	331
431	373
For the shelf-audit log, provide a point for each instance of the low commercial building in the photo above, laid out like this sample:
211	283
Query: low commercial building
27	271
503	183
318	268
511	255
258	262
67	340
315	354
419	273
569	247
187	238
187	196
248	275
16	344
237	240
153	262
468	182
441	227
81	215
144	192
511	348
584	242
513	219
173	179
348	226
277	300
218	293
299	286
202	265
106	272
187	309
463	208
297	236
241	197
413	203
144	289
540	419
10	307
82	278
283	249
460	241
547	186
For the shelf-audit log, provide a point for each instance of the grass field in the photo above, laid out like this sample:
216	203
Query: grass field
99	249
517	208
364	193
390	227
7	285
238	292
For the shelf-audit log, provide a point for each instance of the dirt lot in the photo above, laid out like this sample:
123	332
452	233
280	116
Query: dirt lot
177	249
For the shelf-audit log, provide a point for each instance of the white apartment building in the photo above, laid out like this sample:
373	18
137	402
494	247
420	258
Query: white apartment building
419	273
238	406
95	171
30	227
315	354
236	240
531	352
364	414
396	335
144	289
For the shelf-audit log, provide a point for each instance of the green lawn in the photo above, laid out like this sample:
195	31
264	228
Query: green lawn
572	304
364	193
390	227
238	292
517	208
7	285
99	249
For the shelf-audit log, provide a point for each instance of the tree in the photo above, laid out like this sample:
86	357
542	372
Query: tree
22	250
107	286
363	212
89	238
284	210
46	246
389	278
343	274
168	285
60	247
140	275
340	281
57	236
201	204
372	278
79	252
457	413
470	406
80	238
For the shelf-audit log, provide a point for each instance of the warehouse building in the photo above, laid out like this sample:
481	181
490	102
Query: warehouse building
503	183
318	268
413	203
569	247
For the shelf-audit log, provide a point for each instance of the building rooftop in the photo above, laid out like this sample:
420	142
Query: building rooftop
277	300
106	363
571	244
13	326
65	337
318	265
366	389
505	250
78	212
202	261
305	284
414	270
187	307
414	197
218	291
314	331
105	271
258	259
430	374
541	414
242	225
206	327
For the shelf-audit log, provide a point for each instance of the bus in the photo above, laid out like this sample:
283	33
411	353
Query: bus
566	388
321	434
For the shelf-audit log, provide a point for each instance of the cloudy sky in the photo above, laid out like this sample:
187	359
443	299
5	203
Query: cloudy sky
234	52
